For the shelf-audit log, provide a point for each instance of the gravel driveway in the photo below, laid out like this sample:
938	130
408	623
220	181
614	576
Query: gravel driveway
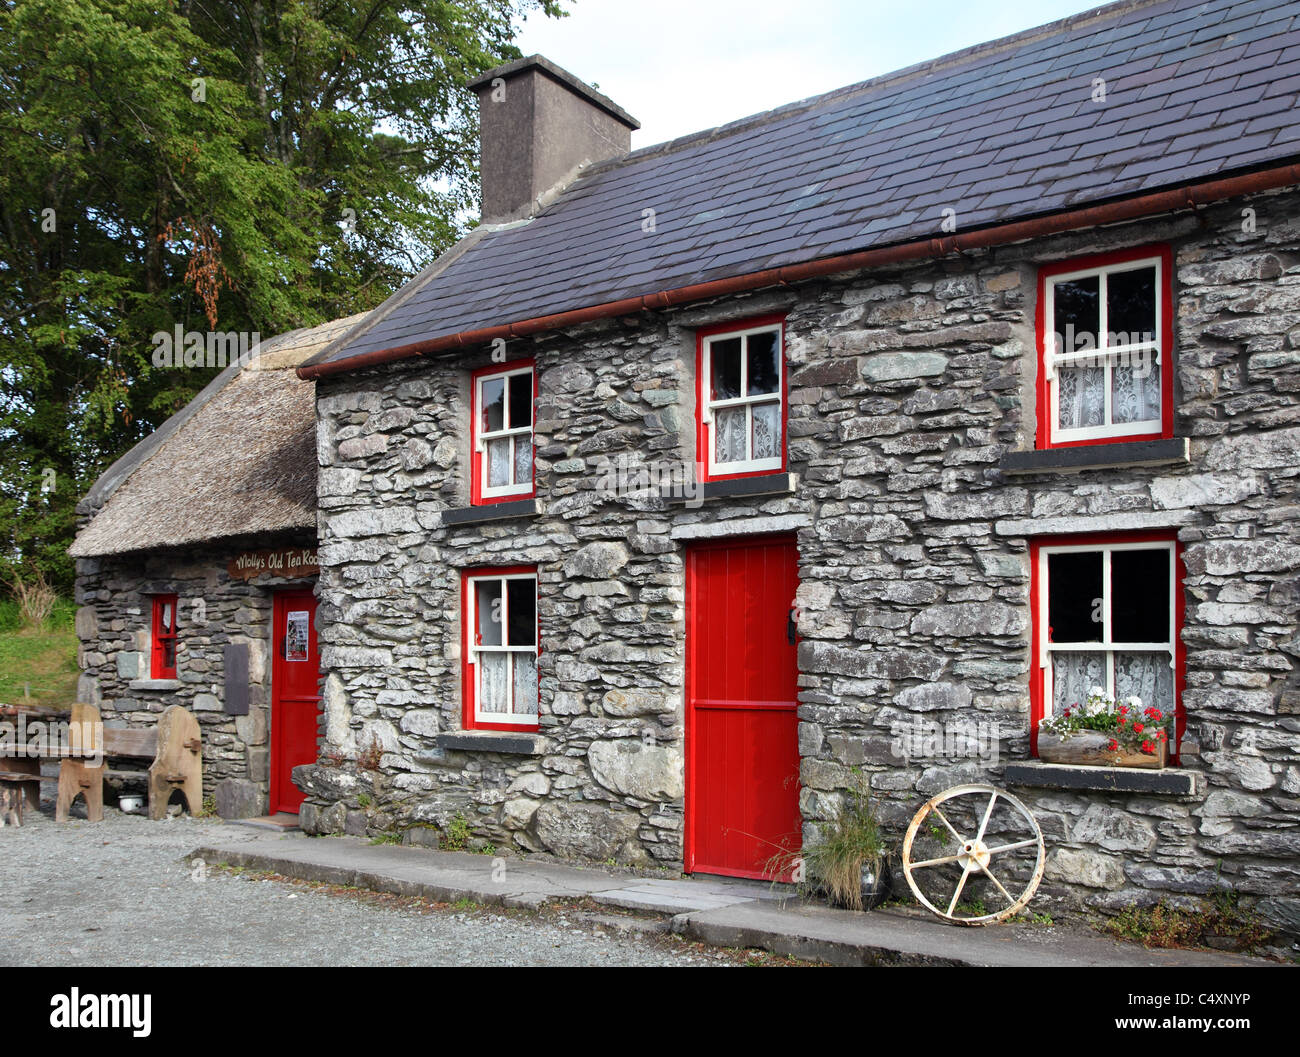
120	893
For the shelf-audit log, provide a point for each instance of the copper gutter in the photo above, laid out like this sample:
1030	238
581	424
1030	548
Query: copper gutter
1188	196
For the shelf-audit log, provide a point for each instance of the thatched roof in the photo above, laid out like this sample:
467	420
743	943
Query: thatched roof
238	460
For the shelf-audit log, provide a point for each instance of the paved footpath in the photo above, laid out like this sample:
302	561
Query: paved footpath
125	892
716	911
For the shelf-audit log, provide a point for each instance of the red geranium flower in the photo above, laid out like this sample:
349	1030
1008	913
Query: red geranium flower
1113	745
1148	747
1137	728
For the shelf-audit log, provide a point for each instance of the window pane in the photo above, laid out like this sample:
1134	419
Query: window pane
494	395
1146	676
525	676
1135	389
1081	397
1073	675
729	435
169	653
767	431
494	673
168	618
1074	596
487	607
764	364
521	400
523	459
1139	596
498	460
725	359
523	612
1077	318
1131	306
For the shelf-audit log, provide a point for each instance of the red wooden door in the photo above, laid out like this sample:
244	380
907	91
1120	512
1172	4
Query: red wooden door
295	694
742	754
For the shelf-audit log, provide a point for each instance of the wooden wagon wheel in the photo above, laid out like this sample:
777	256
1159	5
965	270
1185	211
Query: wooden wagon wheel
974	855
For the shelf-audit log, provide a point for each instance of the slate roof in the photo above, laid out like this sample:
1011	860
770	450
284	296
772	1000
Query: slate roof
238	460
1003	131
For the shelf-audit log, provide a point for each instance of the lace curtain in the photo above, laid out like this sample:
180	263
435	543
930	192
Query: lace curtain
494	670
1081	394
1073	675
729	426
1147	675
498	454
523	460
1135	398
1144	675
729	435
767	431
525	676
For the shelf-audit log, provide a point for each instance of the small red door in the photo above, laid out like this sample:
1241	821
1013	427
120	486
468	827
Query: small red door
295	694
742	752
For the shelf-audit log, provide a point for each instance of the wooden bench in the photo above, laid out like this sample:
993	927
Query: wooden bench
173	747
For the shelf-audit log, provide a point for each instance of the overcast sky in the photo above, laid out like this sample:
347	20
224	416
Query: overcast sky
679	66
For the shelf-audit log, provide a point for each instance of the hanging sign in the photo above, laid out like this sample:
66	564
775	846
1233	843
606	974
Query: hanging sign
290	562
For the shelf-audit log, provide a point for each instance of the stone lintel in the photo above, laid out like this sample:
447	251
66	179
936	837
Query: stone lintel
741	526
1121	522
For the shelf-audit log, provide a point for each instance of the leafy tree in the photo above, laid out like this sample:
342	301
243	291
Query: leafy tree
215	164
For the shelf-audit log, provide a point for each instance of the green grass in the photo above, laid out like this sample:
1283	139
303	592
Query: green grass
43	659
1219	917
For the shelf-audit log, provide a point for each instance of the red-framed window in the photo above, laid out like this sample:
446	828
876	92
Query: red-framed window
503	397
1105	348
741	399
501	644
1107	613
162	662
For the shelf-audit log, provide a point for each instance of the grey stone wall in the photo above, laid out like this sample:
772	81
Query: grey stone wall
114	618
907	386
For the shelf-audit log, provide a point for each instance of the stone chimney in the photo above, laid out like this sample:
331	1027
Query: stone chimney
537	125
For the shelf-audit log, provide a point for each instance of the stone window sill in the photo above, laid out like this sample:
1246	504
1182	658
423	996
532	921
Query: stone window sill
1168	452
154	684
739	488
524	743
1172	781
475	515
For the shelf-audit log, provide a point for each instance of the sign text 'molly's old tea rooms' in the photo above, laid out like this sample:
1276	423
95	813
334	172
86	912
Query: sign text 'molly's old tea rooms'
290	562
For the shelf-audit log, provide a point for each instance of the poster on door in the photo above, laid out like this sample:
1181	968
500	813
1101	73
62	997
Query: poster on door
295	635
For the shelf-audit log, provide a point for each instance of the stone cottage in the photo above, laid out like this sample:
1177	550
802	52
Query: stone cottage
196	575
859	435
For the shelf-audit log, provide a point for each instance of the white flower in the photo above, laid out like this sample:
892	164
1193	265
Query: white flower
1096	691
1134	702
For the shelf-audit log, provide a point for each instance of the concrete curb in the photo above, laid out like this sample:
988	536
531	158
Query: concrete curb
375	882
707	910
